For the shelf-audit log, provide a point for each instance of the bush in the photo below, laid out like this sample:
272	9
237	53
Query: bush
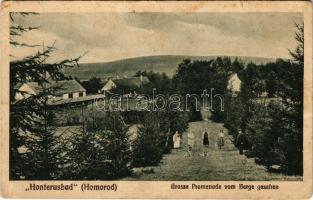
146	147
263	142
133	116
289	137
100	152
233	115
272	140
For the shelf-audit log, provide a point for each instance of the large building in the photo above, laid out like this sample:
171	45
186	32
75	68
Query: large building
67	99
67	89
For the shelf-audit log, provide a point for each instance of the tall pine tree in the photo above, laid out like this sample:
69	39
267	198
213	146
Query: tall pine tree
292	110
32	143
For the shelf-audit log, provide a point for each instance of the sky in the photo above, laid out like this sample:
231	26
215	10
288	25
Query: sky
103	37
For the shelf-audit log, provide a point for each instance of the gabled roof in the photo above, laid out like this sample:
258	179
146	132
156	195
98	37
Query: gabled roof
68	86
60	87
131	83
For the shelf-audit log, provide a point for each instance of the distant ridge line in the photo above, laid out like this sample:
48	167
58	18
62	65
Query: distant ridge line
158	63
172	55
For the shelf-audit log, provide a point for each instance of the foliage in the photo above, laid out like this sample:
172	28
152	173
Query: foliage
101	152
194	77
170	122
29	128
93	85
274	127
273	73
158	81
133	116
291	93
233	114
264	141
176	121
146	149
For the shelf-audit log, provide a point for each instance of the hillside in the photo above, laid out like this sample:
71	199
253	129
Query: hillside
128	67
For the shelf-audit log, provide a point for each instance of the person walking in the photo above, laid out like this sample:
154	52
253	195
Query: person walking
205	142
191	142
220	139
176	140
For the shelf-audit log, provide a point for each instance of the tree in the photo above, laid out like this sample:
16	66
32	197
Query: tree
101	152
160	81
263	133
291	93
146	149
29	128
193	77
233	114
93	85
275	129
170	122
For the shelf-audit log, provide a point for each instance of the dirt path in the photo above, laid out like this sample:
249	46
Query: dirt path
224	164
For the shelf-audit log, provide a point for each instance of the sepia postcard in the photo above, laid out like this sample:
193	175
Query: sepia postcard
156	99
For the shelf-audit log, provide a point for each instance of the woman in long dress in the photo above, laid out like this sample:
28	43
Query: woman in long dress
176	140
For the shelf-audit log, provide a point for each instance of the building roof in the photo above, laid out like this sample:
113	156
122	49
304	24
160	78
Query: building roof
56	102
61	87
68	86
131	83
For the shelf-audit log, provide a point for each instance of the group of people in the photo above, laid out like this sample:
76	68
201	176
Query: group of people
241	141
191	141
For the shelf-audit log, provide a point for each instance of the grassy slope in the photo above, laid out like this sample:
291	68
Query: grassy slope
222	165
128	67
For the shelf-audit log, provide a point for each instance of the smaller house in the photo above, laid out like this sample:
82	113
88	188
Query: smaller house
125	85
110	85
70	89
234	83
65	89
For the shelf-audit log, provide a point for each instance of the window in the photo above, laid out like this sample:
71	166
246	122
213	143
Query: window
70	95
81	94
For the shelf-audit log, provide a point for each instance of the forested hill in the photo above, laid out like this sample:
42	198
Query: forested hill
128	67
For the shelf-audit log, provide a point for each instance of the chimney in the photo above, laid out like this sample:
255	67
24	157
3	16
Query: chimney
141	78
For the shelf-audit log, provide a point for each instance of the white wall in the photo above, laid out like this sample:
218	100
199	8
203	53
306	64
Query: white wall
29	91
65	96
75	94
234	83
